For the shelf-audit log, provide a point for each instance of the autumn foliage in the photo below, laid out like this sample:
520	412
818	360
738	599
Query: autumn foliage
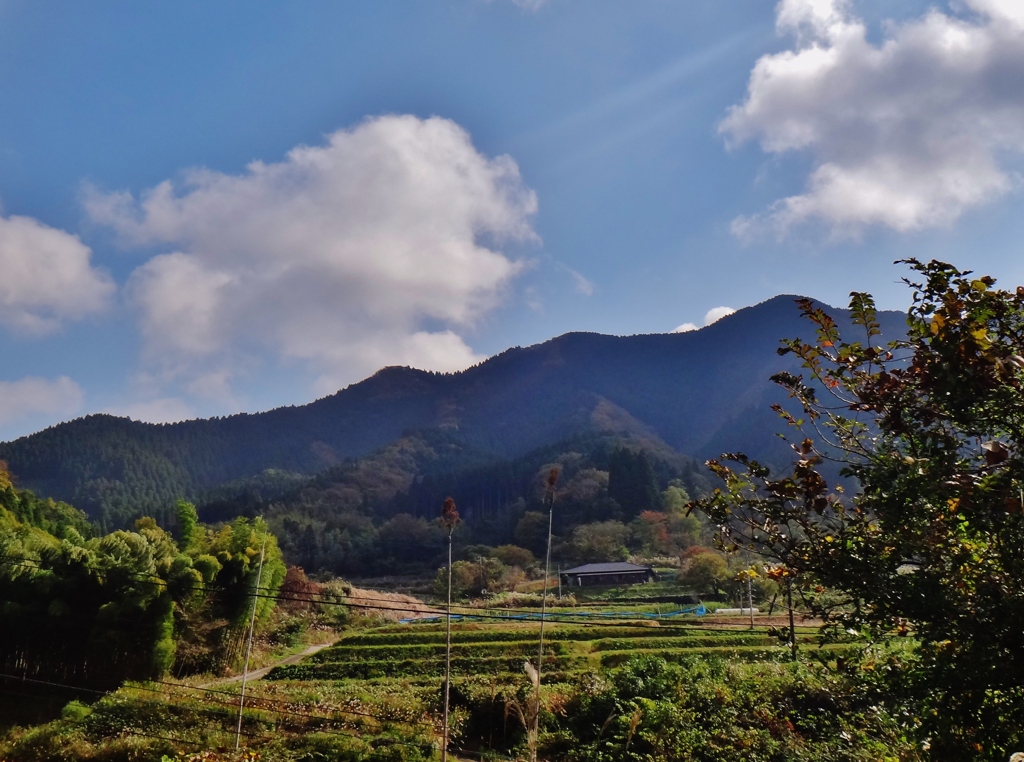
927	539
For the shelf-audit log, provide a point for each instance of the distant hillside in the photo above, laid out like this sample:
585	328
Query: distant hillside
696	393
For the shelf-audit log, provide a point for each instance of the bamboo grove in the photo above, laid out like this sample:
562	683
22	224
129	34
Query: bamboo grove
98	610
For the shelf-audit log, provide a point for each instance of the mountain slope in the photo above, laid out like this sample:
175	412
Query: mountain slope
695	392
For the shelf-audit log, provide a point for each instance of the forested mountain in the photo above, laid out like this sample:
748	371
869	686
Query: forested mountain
690	393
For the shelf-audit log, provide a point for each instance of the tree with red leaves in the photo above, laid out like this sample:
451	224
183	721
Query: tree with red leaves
930	430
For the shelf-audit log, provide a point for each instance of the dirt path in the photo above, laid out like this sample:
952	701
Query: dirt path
257	674
391	606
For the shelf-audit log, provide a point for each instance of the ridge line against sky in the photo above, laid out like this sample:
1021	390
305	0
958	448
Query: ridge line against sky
206	212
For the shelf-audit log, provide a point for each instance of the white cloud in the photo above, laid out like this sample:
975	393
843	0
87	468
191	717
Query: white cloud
376	248
685	328
33	396
717	313
46	277
530	5
711	316
908	134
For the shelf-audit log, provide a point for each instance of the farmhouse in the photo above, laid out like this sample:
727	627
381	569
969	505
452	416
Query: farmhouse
608	574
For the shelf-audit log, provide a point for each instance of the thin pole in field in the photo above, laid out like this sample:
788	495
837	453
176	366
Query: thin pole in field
750	600
552	480
792	626
248	648
449	519
447	652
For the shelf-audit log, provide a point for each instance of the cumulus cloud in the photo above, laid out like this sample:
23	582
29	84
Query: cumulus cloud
46	277
380	246
712	315
908	134
28	397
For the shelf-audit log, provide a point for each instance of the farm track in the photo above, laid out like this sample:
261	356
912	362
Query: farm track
259	674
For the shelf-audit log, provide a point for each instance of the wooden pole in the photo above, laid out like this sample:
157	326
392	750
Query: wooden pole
750	600
447	652
792	626
248	649
543	611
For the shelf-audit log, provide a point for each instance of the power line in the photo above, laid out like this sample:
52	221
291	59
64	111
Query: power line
472	613
104	694
347	600
276	701
282	712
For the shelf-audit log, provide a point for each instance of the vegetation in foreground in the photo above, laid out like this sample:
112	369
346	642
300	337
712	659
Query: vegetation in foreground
931	428
632	696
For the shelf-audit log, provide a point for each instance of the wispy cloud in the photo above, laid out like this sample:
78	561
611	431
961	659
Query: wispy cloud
28	397
629	113
581	284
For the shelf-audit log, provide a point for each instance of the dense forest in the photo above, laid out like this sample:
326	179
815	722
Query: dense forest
695	394
377	515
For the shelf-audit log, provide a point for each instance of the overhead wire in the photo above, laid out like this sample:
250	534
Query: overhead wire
305	715
103	694
493	613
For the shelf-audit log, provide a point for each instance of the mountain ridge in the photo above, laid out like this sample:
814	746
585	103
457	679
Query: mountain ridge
697	392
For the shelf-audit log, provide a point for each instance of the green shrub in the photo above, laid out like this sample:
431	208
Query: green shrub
75	711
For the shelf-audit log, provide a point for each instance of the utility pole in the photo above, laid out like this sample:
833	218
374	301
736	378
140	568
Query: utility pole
792	626
750	599
552	480
248	648
449	519
447	652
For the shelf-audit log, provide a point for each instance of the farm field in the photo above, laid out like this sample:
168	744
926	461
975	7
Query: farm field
499	649
376	693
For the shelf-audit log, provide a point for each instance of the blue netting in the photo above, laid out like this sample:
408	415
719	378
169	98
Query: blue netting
697	610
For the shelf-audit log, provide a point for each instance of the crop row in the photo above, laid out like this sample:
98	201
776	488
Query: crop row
566	666
429	634
367	669
526	648
344	652
704	640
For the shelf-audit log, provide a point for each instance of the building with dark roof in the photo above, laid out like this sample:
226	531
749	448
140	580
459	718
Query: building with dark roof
608	574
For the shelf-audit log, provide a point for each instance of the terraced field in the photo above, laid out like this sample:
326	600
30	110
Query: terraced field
395	672
377	696
499	649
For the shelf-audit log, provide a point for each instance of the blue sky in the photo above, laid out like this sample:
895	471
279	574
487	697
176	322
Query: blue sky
216	207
